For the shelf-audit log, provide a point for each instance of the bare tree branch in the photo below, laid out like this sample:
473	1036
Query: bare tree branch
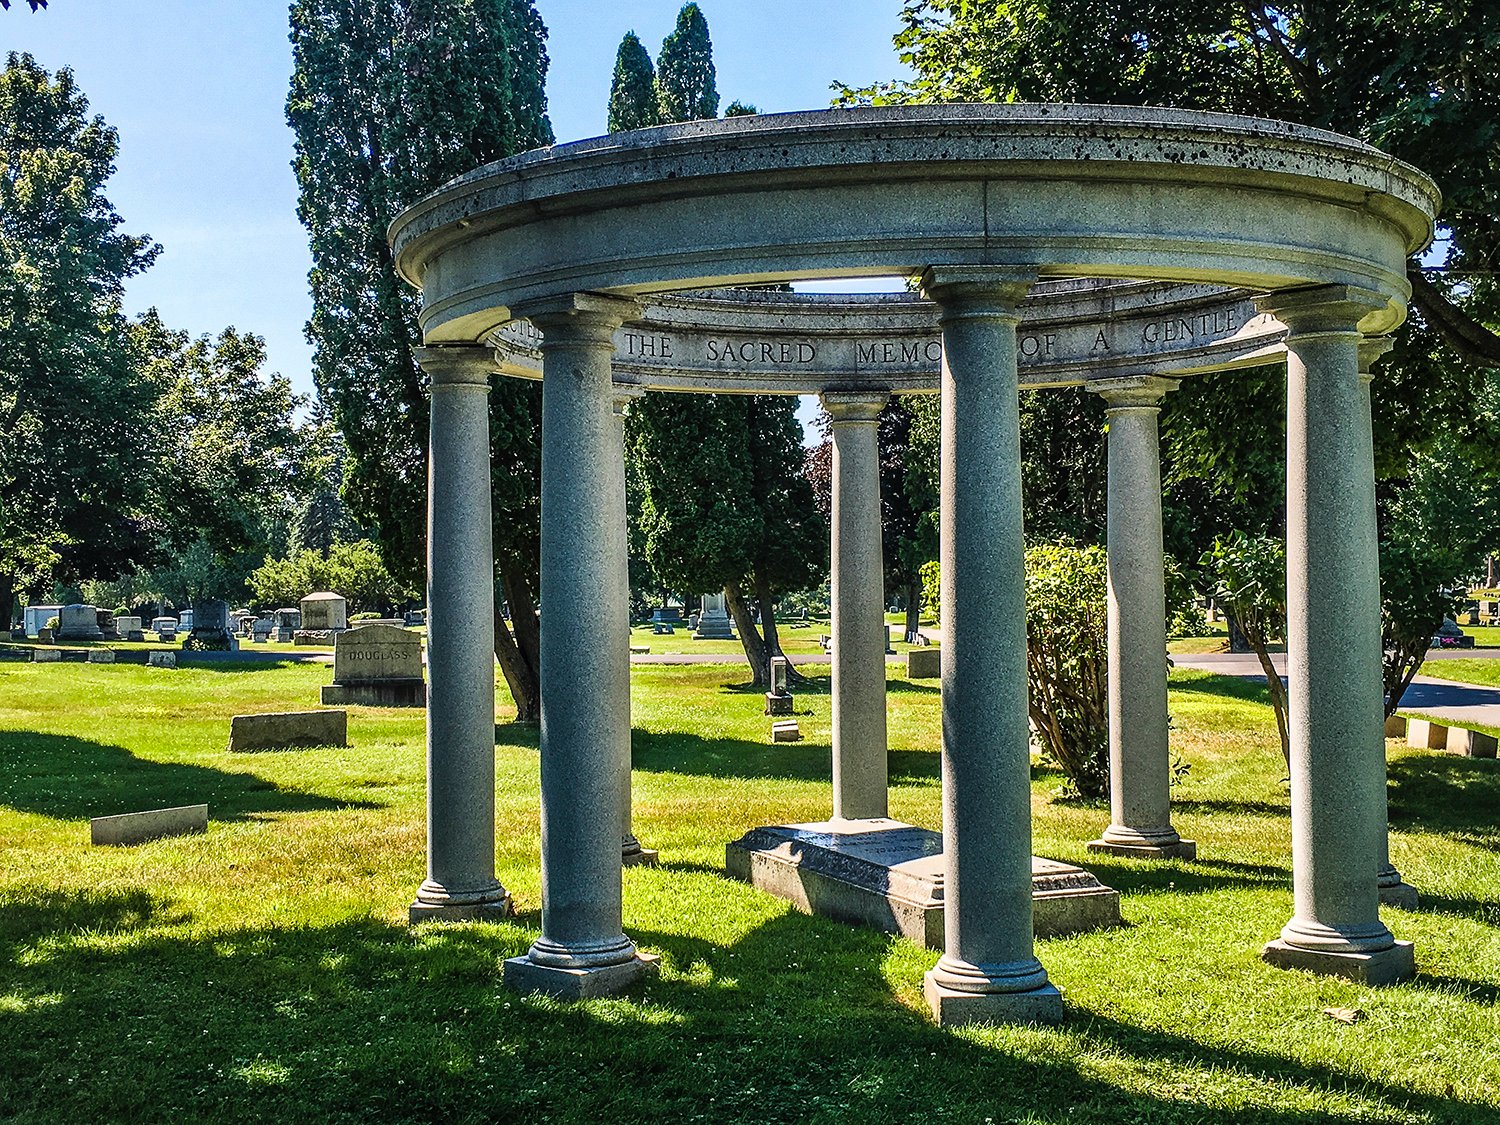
1472	341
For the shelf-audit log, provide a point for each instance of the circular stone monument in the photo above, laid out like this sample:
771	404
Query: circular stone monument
1120	249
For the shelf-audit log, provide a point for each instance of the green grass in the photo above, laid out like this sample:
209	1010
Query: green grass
1485	672
264	971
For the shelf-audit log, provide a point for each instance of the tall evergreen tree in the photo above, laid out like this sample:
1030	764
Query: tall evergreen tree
685	79
389	99
67	372
632	93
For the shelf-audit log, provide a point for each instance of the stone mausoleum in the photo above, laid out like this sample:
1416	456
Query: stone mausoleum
1118	249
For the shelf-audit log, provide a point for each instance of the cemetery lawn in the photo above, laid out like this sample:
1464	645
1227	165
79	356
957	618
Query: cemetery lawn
1484	671
265	970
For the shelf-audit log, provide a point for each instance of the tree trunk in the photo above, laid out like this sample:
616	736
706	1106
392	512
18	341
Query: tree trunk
913	605
765	600
1403	660
7	599
755	648
516	646
1257	642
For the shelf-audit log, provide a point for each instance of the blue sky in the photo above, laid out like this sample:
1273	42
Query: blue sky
196	90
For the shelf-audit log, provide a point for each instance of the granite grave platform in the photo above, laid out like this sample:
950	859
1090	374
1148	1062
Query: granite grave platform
889	876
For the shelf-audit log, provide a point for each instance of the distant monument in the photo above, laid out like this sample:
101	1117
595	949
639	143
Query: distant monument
713	624
324	615
378	666
79	623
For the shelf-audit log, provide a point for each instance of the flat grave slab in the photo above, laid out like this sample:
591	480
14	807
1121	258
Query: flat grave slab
889	876
285	730
138	827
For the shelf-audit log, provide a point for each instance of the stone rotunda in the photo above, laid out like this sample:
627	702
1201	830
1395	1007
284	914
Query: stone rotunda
1113	248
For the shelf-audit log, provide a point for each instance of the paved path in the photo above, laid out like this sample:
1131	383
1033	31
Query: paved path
1444	699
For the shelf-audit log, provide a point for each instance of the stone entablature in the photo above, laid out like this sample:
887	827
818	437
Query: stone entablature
1072	332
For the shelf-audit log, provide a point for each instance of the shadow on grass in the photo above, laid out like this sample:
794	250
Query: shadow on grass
1446	793
793	1020
66	777
1250	688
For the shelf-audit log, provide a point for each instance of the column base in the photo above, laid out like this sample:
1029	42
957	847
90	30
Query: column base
639	857
526	976
1395	891
435	905
1180	849
1399	894
1385	966
952	1008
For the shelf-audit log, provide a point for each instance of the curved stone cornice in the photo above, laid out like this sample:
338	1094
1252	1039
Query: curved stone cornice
1097	191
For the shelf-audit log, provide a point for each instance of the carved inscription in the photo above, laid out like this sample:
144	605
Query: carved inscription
772	352
1171	330
904	352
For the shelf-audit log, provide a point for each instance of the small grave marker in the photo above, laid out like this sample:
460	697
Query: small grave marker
785	730
285	730
138	827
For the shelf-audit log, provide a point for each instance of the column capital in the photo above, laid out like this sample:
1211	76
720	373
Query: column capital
854	406
579	318
1141	392
1371	349
462	365
1316	310
626	394
978	289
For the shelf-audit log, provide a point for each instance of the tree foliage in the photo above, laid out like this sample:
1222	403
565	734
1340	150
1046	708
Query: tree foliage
686	87
73	498
390	99
354	570
1403	77
632	93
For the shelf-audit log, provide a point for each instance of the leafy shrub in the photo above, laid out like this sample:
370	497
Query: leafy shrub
932	589
53	623
1067	660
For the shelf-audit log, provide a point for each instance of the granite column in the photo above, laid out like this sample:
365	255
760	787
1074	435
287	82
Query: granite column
631	851
989	971
1334	688
585	666
858	607
1140	768
460	879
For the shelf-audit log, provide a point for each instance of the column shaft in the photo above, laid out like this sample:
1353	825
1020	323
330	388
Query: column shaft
1139	757
631	852
1335	699
585	666
858	608
460	879
989	970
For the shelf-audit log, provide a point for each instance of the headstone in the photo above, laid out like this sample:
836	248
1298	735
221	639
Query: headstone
416	618
713	623
1395	726
136	828
1470	743
287	618
160	623
79	623
124	625
889	876
924	664
378	666
287	729
324	612
210	629
46	655
261	629
1427	734
666	615
106	622
34	618
785	730
778	699
44	636
161	659
101	656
